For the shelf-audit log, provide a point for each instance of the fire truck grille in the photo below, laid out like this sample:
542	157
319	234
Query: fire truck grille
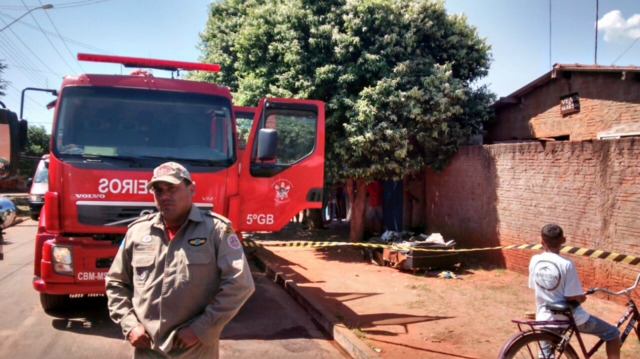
111	215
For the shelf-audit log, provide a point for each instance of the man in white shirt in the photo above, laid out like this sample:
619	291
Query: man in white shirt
555	278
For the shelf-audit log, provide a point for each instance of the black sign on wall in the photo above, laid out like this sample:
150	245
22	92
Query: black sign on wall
570	103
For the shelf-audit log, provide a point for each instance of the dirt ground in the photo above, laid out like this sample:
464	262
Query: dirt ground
403	315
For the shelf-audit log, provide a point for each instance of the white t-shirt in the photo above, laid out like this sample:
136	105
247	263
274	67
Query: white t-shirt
554	277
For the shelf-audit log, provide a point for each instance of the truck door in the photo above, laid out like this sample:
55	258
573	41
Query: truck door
271	192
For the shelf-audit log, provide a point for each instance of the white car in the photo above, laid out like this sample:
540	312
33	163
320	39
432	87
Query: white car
39	185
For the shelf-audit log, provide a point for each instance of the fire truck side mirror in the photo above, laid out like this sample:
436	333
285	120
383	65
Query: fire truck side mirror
13	138
267	144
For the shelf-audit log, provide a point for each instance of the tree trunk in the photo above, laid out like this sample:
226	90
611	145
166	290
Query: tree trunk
358	204
314	218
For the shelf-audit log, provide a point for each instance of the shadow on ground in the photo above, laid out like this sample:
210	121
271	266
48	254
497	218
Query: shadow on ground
87	315
336	303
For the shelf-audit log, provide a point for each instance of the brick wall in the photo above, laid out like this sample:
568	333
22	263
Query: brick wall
504	194
606	101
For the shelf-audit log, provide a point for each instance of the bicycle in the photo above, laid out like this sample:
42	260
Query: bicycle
544	343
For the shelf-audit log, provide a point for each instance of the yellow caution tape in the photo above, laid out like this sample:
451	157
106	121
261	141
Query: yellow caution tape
610	256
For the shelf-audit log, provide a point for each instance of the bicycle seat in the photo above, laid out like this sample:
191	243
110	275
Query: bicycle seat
562	307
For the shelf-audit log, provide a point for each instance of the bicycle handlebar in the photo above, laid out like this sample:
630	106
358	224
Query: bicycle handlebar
624	291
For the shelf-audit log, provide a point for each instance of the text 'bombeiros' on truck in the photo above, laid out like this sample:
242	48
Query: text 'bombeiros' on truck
110	132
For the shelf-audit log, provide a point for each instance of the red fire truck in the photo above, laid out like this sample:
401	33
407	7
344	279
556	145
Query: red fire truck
111	131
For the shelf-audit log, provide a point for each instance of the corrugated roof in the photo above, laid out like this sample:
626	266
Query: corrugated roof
514	97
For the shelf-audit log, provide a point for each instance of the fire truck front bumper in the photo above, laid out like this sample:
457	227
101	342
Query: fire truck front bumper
67	288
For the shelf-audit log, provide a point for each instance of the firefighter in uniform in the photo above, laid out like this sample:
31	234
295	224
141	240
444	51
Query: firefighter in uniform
180	275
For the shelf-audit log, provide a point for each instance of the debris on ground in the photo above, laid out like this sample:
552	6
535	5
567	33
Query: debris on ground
406	254
442	274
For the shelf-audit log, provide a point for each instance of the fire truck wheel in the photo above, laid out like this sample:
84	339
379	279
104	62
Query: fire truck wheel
53	301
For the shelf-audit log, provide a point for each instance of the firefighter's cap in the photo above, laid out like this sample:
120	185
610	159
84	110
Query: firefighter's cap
171	172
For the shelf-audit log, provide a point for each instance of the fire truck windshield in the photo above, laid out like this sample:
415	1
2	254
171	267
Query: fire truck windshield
108	122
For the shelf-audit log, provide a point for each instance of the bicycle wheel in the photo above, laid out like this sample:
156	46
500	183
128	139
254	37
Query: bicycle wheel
538	346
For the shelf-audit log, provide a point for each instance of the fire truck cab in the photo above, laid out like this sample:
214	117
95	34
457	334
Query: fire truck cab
111	131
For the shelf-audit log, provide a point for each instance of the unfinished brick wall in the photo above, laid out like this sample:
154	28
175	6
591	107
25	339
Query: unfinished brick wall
606	101
503	194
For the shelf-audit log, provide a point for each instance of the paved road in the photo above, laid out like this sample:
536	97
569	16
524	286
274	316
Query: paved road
270	325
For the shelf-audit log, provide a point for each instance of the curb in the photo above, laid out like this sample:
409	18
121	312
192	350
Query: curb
336	330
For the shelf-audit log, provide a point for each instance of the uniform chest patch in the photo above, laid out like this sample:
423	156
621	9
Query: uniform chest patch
145	239
234	242
197	241
140	247
142	273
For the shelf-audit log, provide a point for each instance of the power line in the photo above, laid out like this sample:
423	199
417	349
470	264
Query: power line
45	35
19	56
57	6
39	110
78	43
625	51
64	42
30	69
15	56
30	98
79	3
10	54
28	48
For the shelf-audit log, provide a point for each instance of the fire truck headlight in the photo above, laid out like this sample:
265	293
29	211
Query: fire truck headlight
62	260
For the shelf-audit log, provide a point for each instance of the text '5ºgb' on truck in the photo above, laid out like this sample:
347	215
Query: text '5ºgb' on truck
110	132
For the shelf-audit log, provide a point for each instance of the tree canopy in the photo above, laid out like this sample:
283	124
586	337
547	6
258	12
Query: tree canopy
398	77
37	145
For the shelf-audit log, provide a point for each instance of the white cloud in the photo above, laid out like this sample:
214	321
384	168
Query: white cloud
616	28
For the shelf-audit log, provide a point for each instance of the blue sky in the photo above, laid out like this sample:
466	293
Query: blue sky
518	31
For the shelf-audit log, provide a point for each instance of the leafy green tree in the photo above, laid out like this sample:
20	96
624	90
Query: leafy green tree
298	138
243	127
398	78
37	145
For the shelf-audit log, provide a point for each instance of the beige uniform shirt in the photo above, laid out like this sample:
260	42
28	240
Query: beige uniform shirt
199	279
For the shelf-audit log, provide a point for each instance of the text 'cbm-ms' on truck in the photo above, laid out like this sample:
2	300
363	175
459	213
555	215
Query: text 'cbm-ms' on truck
110	132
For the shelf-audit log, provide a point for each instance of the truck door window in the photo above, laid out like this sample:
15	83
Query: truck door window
296	137
244	120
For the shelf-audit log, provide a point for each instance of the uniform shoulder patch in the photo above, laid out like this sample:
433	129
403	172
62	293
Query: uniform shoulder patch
234	242
144	218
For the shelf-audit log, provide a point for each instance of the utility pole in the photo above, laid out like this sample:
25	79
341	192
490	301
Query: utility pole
550	63
595	61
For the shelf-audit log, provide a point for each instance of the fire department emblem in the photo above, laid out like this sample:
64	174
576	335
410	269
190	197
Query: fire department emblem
234	242
163	171
282	188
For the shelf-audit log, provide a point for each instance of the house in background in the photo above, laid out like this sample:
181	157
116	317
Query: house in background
572	102
563	149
